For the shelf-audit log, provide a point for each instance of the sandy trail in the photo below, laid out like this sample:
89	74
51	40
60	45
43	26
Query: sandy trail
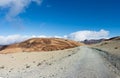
80	62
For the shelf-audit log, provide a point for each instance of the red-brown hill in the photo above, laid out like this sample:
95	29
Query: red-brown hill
40	44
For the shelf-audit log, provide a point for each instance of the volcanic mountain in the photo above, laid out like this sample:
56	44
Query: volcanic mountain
40	44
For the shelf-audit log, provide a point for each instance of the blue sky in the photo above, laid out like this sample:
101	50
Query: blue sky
62	17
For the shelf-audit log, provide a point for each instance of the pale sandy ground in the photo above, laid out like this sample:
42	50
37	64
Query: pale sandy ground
112	47
80	62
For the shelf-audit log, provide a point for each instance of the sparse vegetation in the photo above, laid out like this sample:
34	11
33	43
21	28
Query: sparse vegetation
27	66
34	61
48	63
39	64
10	71
103	43
2	67
116	47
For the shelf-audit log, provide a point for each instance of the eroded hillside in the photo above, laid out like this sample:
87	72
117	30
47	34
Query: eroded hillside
40	44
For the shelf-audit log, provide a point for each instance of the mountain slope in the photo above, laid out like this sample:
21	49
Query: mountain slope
40	44
111	45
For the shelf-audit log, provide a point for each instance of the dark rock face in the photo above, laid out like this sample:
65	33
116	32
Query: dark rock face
114	38
3	47
93	41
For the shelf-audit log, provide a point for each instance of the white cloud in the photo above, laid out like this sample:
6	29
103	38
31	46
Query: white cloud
5	40
15	7
78	36
86	34
12	39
